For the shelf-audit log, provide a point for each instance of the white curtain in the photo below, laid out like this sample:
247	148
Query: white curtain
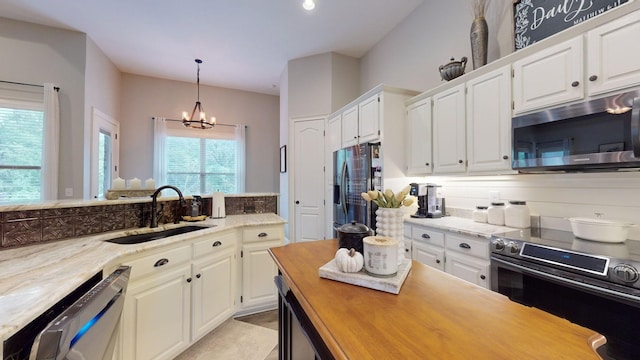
240	170
51	148
159	151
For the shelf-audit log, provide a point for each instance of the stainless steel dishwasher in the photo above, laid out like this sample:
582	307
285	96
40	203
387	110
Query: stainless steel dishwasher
86	330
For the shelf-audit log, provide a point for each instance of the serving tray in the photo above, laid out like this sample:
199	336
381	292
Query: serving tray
391	284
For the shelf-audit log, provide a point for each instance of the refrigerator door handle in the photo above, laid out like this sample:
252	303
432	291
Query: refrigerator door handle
343	188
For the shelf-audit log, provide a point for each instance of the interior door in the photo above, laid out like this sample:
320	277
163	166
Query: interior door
104	152
308	179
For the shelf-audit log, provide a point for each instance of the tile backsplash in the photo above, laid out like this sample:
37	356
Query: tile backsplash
25	227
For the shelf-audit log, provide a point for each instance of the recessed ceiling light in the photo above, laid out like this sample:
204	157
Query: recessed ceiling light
309	5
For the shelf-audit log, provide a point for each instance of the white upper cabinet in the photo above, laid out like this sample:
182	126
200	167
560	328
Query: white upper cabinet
612	55
419	137
350	126
449	140
550	77
334	133
489	121
369	119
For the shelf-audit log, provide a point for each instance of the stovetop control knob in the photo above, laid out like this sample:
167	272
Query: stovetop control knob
498	244
626	273
513	247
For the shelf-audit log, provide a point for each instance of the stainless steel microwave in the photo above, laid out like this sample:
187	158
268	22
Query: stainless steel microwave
601	135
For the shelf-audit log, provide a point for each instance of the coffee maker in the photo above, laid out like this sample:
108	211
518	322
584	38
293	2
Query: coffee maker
429	204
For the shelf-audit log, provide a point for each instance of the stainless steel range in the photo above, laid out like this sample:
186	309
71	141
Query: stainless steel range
593	284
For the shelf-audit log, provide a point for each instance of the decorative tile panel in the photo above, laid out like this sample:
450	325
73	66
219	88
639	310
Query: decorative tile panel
22	232
56	228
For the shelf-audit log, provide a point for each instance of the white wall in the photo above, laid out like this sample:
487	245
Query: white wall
409	56
284	140
37	54
143	97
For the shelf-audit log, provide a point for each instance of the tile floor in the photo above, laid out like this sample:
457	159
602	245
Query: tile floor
268	319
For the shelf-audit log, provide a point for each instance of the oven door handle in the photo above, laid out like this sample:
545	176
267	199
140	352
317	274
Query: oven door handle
635	127
577	284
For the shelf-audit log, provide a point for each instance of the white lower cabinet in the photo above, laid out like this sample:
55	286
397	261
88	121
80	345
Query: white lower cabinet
155	320
428	255
465	257
258	291
178	295
468	268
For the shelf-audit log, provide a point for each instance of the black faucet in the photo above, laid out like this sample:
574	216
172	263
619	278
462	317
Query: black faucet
154	203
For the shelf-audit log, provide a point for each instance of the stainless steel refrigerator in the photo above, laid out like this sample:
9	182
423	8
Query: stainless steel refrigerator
356	169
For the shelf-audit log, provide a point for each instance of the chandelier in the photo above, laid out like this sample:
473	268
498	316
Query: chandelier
198	118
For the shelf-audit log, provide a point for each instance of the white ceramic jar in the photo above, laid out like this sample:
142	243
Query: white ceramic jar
479	214
495	213
517	215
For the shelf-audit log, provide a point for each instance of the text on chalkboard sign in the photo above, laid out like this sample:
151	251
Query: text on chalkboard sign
535	20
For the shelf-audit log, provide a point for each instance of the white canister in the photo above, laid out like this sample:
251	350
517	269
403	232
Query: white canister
479	214
380	255
495	213
517	215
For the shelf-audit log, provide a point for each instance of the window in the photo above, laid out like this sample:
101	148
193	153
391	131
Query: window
202	162
21	149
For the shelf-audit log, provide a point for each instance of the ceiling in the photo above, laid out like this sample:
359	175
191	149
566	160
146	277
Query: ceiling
244	44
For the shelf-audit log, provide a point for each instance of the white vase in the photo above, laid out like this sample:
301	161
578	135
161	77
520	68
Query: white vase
390	223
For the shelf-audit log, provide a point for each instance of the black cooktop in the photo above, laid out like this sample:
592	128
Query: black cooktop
565	240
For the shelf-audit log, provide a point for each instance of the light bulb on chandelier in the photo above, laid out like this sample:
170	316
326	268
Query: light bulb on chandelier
201	121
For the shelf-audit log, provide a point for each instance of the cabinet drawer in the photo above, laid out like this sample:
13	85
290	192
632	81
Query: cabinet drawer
214	243
263	233
468	245
154	264
428	236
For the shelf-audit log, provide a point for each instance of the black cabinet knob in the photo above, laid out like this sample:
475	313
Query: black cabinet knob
482	277
297	202
575	83
427	164
505	157
593	77
189	280
460	161
465	246
217	243
426	236
262	234
198	276
437	261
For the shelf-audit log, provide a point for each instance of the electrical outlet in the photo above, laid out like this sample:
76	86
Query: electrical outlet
494	196
68	192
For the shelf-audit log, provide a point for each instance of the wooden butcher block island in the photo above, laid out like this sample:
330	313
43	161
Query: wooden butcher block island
435	316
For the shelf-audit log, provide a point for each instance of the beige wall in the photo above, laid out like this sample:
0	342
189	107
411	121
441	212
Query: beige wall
37	54
409	56
143	97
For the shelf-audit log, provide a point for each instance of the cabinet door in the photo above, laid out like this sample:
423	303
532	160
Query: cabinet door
428	254
350	126
550	77
449	154
489	121
612	62
369	119
156	316
468	268
334	135
419	137
213	291
258	271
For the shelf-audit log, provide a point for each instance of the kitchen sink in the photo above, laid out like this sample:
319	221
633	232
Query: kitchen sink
156	235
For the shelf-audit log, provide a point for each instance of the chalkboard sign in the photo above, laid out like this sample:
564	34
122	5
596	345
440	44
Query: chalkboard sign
535	20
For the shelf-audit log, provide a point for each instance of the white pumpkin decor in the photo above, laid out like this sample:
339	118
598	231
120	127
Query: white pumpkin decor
349	260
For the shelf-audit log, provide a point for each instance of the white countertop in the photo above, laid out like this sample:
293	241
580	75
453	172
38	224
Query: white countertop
460	225
35	277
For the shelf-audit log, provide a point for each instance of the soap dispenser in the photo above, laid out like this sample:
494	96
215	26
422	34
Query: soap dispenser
196	206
